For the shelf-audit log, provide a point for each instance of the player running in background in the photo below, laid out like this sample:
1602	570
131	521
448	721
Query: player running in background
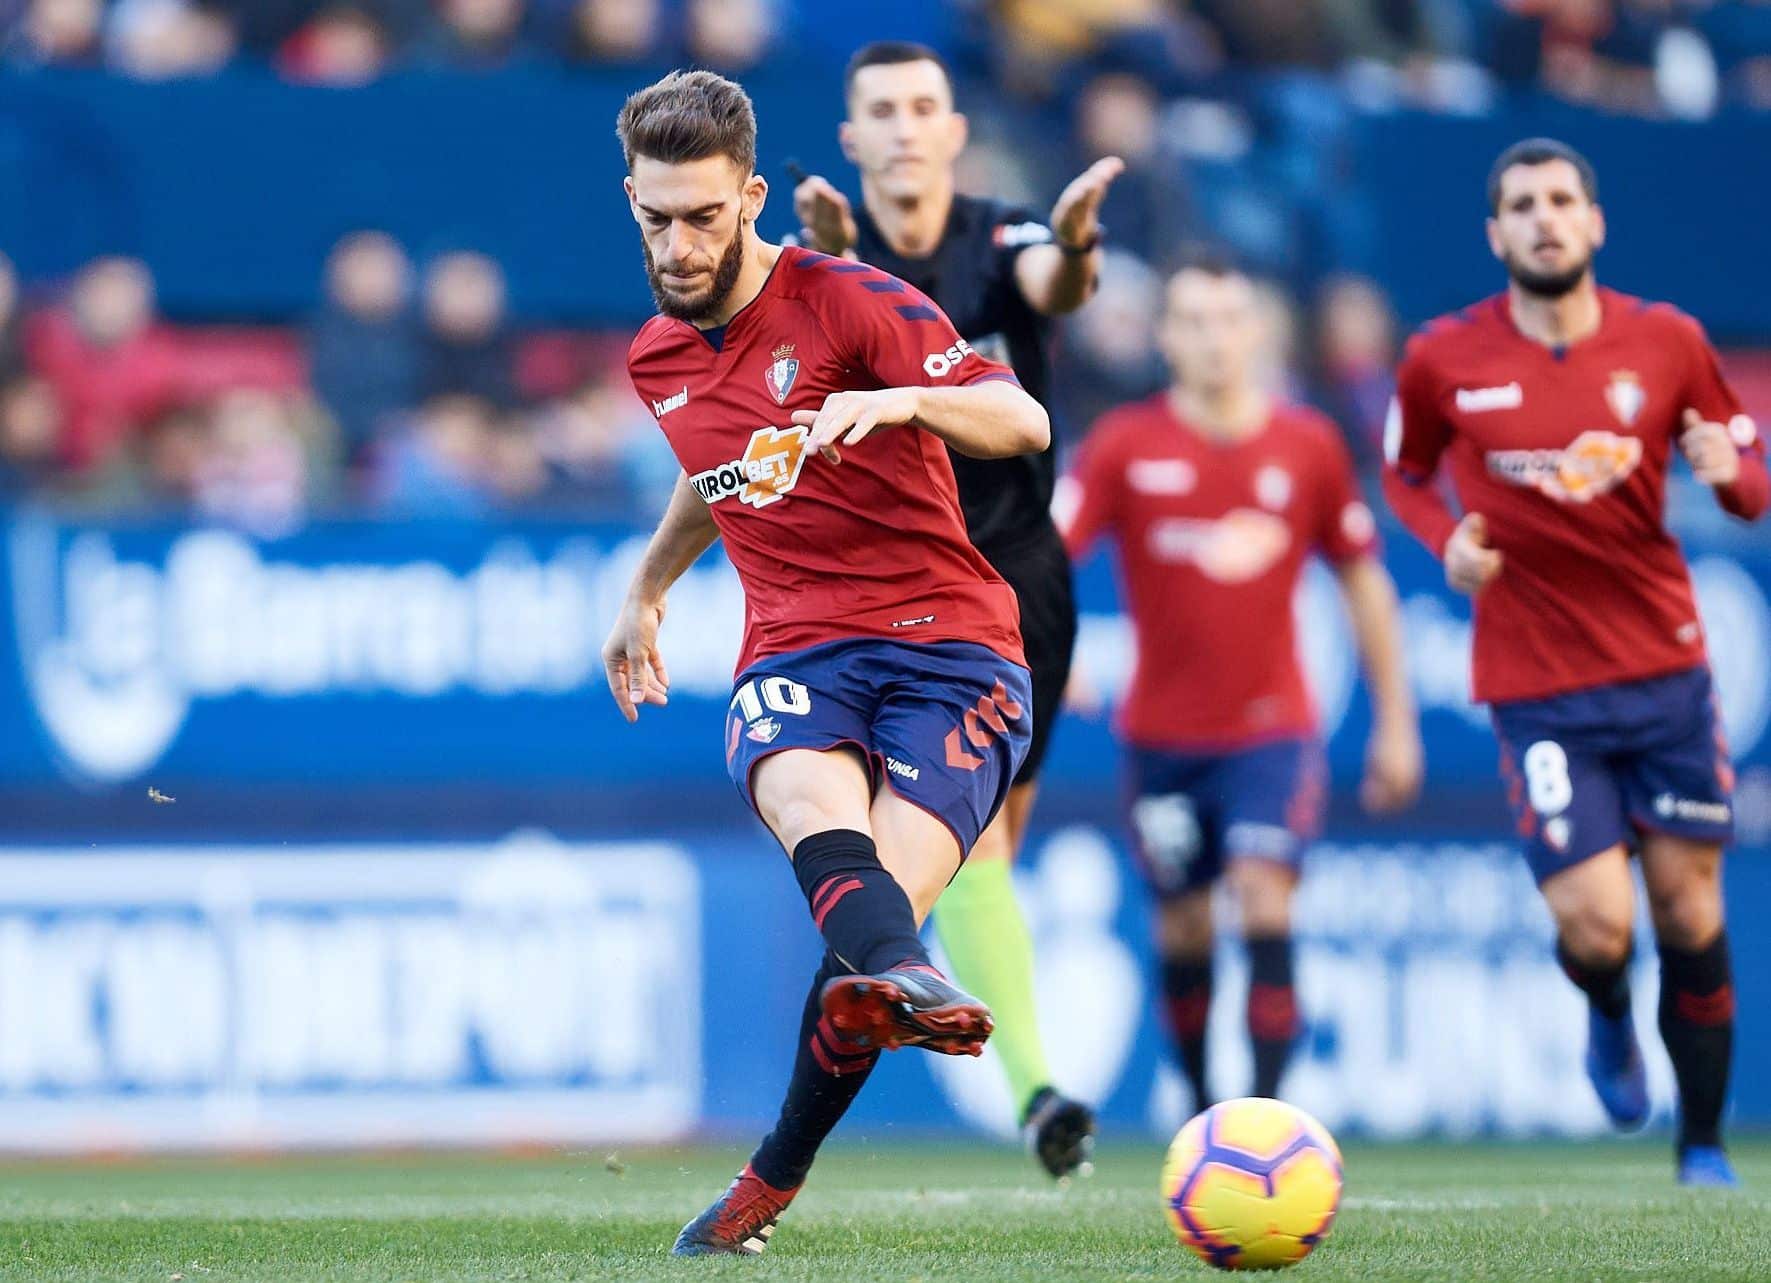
811	402
1214	494
999	271
1557	407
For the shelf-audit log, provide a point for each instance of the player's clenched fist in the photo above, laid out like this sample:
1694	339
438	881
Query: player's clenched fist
850	416
1710	449
826	222
631	660
1469	562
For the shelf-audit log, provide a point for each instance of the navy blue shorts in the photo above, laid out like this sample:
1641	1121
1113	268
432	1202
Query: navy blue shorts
1193	812
946	724
1592	768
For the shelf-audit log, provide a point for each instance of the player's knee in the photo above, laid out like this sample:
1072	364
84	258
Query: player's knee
1596	935
1263	895
1183	926
1687	916
797	818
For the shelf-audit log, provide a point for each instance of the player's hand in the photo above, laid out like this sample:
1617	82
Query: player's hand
1469	562
850	416
826	221
1394	763
1077	215
631	660
1710	449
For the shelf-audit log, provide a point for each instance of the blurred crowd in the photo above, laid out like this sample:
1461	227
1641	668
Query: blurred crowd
1679	57
411	390
399	396
412	394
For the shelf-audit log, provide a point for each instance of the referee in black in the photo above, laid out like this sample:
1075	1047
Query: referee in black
999	272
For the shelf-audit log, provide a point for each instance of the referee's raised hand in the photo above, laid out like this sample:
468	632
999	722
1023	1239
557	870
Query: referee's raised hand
826	222
1077	215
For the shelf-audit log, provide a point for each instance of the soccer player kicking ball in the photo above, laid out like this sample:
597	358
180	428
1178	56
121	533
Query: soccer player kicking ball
882	701
1557	407
1215	495
999	272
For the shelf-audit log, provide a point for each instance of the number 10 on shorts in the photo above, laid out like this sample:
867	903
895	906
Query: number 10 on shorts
777	694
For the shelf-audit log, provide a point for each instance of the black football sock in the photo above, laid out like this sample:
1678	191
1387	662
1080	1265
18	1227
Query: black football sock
1607	988
1697	1025
860	909
1272	1009
827	1076
1186	994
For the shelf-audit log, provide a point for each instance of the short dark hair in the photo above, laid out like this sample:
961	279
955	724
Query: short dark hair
890	53
1540	151
689	115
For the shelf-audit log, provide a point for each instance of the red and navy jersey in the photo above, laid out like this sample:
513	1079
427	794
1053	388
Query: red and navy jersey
1565	453
873	547
1211	538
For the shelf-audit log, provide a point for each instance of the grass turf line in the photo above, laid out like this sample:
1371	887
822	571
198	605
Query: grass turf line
1592	1212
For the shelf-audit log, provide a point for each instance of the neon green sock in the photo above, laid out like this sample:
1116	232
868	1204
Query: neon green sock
987	941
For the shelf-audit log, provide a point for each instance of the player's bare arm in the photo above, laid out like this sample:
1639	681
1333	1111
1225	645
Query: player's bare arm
631	659
1059	277
1393	757
1470	563
991	420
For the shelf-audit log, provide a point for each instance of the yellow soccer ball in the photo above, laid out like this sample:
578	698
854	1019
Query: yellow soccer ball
1252	1184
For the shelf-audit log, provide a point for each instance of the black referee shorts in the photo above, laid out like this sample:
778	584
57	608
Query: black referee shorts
1039	572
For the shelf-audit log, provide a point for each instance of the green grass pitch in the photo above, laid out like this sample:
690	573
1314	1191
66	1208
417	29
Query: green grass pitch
1595	1213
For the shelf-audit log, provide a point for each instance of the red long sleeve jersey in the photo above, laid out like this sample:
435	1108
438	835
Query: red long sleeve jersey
1211	538
1565	453
872	547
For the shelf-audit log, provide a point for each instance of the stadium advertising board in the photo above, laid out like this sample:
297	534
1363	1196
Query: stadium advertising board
616	993
436	655
238	997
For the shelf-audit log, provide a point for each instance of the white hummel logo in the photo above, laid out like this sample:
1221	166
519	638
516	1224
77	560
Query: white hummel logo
664	407
1476	400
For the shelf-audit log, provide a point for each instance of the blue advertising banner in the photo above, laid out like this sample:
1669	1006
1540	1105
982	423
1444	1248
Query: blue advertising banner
534	989
446	657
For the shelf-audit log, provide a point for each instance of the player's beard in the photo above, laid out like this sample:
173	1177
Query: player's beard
1549	285
725	279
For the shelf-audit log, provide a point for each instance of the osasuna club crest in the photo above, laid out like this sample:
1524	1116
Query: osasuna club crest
1625	396
782	372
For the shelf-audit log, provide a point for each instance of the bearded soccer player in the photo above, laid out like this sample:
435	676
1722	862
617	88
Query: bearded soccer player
1000	272
882	702
1556	408
1215	495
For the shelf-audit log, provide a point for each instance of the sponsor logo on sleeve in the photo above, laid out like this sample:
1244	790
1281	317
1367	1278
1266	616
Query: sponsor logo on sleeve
669	403
1017	235
937	365
768	469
